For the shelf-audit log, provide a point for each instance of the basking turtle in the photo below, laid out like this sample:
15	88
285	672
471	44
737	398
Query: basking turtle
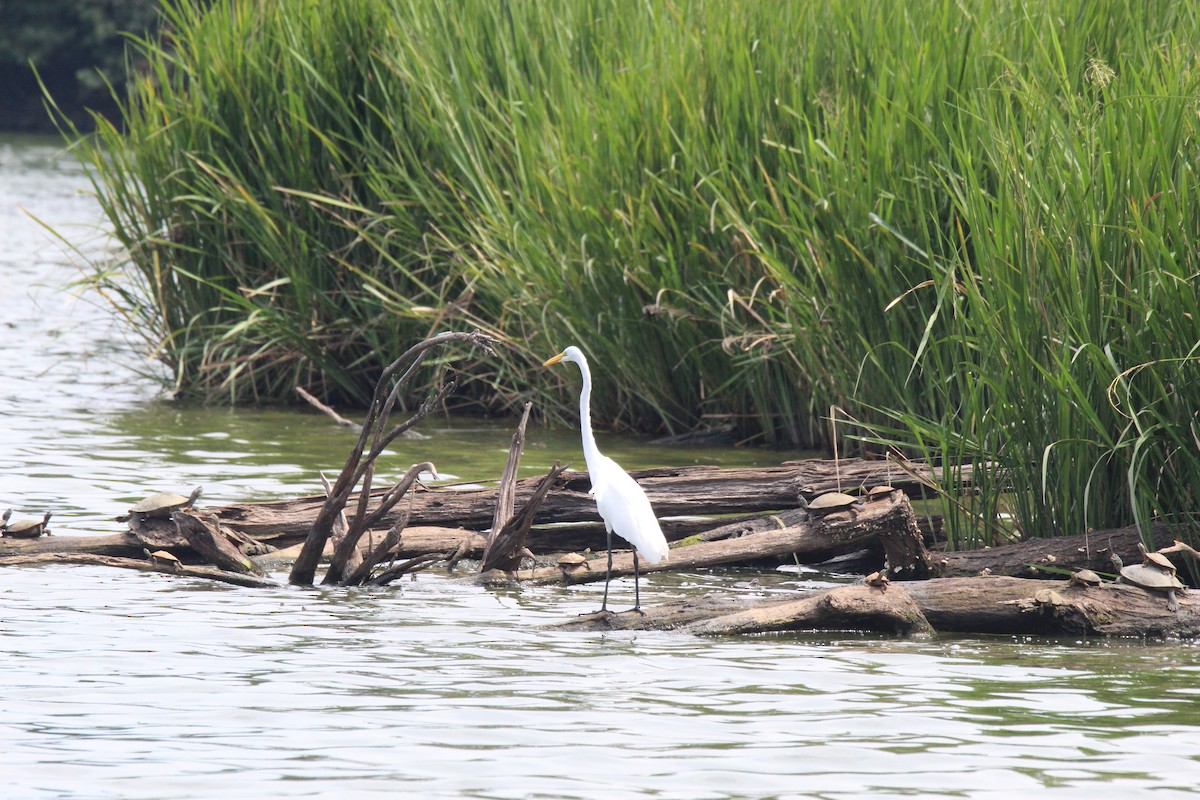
163	558
1157	559
4	521
1084	577
160	506
1151	577
831	503
570	562
878	493
27	528
878	579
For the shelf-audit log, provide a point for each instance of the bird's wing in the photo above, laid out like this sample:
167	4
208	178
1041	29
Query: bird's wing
626	510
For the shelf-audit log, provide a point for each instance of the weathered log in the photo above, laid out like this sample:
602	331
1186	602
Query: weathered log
684	491
964	605
868	608
119	545
1023	559
211	543
807	541
140	564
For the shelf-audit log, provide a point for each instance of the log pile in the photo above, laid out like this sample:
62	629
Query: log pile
547	531
994	590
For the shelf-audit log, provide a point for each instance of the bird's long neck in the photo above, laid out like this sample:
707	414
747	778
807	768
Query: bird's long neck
591	453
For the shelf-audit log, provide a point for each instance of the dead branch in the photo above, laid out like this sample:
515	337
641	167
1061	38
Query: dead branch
505	550
506	491
326	410
378	554
410	566
360	462
345	552
211	543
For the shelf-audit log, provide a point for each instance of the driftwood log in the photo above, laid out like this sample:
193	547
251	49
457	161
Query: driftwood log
969	605
890	522
140	564
674	492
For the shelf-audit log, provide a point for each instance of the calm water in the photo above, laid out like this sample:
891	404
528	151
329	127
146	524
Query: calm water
124	685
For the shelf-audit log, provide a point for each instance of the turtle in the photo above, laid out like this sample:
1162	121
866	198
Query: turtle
1157	559
1084	577
831	503
160	506
163	558
878	579
572	562
27	528
878	493
4	520
1150	576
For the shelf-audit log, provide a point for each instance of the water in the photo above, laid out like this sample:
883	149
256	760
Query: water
128	685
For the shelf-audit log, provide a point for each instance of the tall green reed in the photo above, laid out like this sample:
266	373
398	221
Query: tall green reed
962	222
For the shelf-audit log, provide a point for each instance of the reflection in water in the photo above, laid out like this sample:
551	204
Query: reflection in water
442	688
150	686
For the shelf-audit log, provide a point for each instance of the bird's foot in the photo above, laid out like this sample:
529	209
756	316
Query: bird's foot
636	610
604	612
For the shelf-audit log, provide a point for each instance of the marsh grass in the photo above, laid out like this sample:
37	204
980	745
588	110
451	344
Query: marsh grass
969	224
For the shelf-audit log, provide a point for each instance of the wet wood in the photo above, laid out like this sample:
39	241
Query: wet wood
506	549
117	544
686	491
142	565
807	541
864	608
1034	557
208	541
987	605
359	468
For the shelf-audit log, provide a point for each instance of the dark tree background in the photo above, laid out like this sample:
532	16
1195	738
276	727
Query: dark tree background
71	43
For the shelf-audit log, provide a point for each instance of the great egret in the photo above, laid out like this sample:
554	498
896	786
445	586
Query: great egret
621	502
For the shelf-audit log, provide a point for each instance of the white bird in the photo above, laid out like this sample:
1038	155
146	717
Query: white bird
622	504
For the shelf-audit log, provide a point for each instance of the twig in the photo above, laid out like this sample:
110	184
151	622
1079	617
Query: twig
326	410
362	573
412	565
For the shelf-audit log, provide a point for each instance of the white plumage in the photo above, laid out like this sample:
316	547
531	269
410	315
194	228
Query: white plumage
622	504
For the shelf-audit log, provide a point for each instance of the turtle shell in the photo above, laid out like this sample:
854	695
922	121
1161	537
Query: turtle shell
27	528
1149	576
163	503
1156	559
833	501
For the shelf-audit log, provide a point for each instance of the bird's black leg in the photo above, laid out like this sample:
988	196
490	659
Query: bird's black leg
608	574
637	597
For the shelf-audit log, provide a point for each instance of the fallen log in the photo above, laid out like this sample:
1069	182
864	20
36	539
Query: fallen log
866	608
891	522
140	564
685	491
987	605
120	545
1033	557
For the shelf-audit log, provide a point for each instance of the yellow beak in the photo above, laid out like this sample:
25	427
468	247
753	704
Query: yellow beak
554	360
